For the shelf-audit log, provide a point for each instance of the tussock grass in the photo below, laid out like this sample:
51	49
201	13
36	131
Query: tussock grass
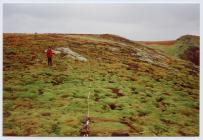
140	99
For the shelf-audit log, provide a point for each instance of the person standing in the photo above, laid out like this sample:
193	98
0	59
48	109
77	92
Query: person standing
49	56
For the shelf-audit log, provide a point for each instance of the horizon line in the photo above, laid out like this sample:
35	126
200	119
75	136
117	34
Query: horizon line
95	34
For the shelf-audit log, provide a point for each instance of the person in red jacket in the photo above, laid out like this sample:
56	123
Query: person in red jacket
49	56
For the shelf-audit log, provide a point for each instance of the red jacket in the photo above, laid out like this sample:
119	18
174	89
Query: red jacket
49	53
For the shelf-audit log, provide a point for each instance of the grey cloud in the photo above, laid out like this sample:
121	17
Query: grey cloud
134	21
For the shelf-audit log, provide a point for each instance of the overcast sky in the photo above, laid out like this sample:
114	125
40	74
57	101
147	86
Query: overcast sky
133	21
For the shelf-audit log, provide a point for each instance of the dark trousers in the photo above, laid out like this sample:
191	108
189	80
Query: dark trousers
49	61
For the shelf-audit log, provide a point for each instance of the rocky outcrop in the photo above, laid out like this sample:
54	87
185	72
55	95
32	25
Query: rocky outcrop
69	53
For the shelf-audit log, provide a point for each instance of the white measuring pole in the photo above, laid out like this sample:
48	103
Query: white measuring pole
88	106
88	97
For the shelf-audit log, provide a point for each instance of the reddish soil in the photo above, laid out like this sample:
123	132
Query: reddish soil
167	43
117	91
119	134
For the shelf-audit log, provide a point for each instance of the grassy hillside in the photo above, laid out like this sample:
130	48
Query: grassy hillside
185	47
134	89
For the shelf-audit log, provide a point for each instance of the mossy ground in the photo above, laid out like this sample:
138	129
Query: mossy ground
50	101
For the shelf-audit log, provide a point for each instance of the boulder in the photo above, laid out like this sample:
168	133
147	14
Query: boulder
69	53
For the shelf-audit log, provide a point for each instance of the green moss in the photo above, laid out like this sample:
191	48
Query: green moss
50	101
